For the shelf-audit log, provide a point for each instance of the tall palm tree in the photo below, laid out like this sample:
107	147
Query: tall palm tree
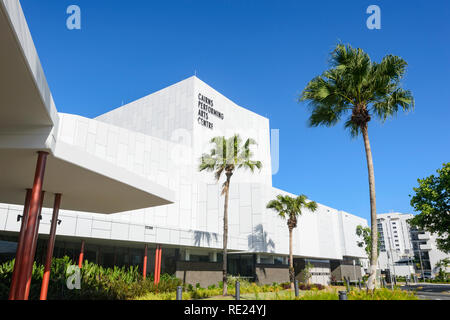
363	88
226	156
290	208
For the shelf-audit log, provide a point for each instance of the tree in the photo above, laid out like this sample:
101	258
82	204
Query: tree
306	274
363	88
443	265
432	200
226	156
291	208
365	235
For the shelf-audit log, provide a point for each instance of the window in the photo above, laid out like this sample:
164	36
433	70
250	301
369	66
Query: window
198	258
266	260
278	260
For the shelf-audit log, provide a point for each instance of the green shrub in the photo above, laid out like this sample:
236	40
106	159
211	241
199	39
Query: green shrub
381	294
97	283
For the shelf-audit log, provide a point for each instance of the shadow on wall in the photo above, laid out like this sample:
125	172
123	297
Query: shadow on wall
259	241
202	236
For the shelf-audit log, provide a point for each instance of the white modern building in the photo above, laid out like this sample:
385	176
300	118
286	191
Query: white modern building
405	250
140	165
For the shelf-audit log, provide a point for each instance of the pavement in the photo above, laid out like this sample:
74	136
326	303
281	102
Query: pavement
429	291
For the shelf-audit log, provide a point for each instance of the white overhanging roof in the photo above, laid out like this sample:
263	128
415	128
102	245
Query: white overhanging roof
28	123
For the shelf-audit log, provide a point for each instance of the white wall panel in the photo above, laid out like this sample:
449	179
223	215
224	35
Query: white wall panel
138	136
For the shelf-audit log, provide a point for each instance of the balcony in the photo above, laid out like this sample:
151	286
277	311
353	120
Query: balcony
425	247
424	236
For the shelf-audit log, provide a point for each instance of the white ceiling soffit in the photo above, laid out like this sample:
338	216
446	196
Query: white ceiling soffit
86	182
25	98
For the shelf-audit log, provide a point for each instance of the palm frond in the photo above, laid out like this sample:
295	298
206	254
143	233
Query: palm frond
356	83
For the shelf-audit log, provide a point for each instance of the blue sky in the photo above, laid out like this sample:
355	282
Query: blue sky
261	54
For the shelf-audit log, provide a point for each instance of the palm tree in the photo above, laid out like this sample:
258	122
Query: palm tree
290	208
226	156
364	88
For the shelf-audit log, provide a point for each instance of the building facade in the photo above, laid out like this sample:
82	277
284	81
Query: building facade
405	250
161	138
143	157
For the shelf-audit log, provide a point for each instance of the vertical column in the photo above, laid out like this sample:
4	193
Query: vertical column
80	259
159	263
19	251
50	247
34	246
156	264
31	224
144	267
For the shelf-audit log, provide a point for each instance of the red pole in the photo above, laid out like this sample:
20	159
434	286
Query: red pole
144	267
156	264
159	264
50	247
27	257
19	251
34	246
80	259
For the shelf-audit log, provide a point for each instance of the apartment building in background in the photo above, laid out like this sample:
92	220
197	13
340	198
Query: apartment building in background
405	250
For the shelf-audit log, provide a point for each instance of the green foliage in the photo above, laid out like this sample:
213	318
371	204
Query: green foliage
228	155
381	294
366	236
305	274
231	281
319	295
432	201
357	86
97	283
290	208
443	276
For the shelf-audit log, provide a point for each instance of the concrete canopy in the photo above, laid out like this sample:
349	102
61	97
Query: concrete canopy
25	96
28	123
98	187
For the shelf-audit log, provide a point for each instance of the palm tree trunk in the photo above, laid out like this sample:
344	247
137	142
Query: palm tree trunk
225	234
371	283
291	261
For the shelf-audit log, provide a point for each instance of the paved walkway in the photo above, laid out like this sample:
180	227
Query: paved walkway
430	291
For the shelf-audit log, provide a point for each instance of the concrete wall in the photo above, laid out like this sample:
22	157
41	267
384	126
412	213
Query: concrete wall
205	273
338	272
268	274
195	220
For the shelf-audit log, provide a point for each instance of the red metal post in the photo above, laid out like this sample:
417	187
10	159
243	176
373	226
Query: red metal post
50	247
27	258
80	259
19	250
144	267
159	264
156	264
34	246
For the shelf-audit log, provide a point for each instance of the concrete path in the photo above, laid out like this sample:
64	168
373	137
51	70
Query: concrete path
430	291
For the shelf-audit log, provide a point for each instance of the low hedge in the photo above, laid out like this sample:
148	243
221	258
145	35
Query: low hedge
97	283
